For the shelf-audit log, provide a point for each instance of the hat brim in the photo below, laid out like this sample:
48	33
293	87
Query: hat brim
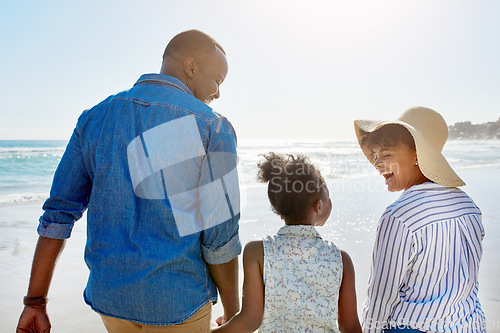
431	161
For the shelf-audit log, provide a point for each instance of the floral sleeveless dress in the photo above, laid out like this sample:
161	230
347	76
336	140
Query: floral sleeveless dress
302	277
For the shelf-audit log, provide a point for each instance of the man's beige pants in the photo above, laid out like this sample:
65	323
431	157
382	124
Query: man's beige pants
198	323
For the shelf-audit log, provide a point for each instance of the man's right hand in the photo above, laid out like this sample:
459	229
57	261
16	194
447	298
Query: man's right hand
34	317
34	320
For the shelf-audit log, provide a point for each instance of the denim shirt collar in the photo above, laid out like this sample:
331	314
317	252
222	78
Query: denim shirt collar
166	80
299	230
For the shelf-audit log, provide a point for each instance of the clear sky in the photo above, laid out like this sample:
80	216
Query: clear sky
297	69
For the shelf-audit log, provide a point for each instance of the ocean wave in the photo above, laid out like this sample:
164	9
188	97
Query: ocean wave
22	198
477	166
9	153
312	149
29	149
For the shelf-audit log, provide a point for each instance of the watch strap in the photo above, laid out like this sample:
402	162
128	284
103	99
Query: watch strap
34	301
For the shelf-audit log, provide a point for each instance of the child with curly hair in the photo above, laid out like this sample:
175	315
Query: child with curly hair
295	281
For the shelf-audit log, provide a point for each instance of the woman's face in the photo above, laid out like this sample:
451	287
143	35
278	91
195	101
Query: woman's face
398	165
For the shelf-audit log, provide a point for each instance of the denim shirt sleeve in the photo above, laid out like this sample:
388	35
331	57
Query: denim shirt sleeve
69	195
221	243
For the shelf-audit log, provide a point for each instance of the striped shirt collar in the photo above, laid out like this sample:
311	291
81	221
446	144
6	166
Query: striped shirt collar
427	186
424	186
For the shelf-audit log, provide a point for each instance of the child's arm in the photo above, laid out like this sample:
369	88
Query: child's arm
348	312
225	277
252	309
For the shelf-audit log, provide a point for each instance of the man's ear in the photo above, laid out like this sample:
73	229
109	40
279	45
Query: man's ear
190	67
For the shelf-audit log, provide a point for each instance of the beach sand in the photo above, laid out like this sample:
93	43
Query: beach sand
357	205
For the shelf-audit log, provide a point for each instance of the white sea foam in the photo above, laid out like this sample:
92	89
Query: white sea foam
22	198
27	150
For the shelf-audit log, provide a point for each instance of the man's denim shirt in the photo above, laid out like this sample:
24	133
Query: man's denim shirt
156	169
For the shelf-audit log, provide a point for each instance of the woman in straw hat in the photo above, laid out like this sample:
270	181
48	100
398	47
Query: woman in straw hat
424	274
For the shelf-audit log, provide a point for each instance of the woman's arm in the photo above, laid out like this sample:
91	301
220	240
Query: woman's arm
348	312
252	309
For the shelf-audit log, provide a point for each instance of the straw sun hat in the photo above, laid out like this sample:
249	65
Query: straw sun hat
429	131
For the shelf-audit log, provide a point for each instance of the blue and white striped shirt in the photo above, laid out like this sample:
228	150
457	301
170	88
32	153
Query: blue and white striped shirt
426	263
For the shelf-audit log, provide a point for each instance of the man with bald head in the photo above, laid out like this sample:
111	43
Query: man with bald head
155	167
202	73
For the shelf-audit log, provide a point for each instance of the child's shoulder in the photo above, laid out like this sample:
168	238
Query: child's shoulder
254	249
254	245
346	258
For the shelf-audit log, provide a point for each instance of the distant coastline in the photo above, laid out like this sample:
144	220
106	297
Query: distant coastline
468	131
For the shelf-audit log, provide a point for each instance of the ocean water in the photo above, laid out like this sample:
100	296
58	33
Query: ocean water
27	167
